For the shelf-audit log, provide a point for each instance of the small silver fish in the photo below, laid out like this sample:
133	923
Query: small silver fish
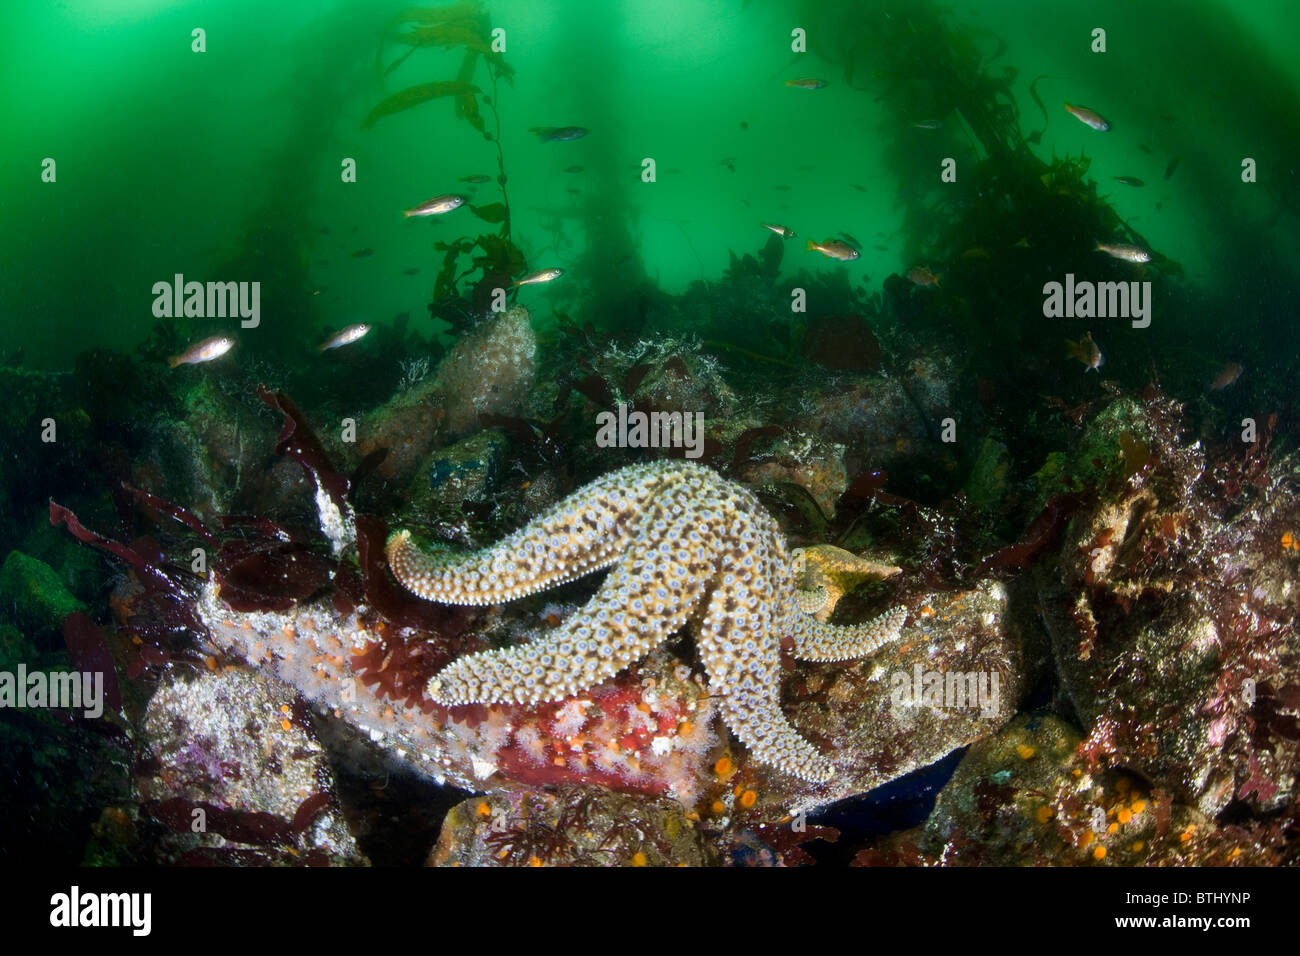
1122	250
781	231
558	134
345	336
437	206
542	275
928	124
807	83
204	351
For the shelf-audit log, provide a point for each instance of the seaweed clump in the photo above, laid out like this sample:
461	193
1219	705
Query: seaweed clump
261	565
463	26
1169	610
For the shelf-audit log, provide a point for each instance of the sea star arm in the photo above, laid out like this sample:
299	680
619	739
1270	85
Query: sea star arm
646	597
582	534
815	641
813	599
742	657
760	724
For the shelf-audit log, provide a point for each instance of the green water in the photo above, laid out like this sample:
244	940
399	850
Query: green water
226	164
131	157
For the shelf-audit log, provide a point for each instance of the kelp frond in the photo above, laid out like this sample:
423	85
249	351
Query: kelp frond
415	95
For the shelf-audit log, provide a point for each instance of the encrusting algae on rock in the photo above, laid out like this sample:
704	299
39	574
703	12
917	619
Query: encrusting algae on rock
632	735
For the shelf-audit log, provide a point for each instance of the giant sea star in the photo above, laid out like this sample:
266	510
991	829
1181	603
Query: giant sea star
686	546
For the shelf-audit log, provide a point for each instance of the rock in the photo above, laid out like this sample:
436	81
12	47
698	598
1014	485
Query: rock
406	428
571	826
652	729
841	343
667	375
464	472
37	597
1029	796
955	675
929	379
803	459
233	754
213	455
1099	456
892	422
1173	614
488	372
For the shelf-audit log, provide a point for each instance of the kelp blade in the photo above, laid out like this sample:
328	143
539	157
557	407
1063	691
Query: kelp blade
414	96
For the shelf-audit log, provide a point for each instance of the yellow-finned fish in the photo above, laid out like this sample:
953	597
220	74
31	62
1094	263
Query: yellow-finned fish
344	336
920	275
542	275
834	249
204	351
437	206
1086	351
1122	250
1088	117
806	83
781	231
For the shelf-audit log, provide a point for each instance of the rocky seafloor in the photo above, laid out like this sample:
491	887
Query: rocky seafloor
1116	679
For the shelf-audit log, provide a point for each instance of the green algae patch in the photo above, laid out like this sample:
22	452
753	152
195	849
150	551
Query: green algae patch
39	599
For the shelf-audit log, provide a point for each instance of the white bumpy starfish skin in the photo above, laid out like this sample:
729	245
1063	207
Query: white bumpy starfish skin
686	546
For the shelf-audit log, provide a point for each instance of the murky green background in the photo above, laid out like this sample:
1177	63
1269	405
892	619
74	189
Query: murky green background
171	161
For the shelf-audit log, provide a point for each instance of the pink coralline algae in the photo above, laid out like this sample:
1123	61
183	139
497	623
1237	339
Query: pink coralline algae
633	734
